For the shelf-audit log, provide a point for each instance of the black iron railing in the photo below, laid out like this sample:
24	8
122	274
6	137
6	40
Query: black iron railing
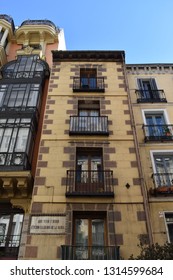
158	132
9	246
23	74
150	96
16	159
163	183
92	183
89	125
90	252
88	84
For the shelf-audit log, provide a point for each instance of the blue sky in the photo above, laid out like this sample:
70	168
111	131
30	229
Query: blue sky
142	28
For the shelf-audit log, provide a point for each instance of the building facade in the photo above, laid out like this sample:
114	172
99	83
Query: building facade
25	60
150	91
87	200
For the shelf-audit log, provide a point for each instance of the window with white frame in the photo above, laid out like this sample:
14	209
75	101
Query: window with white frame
156	123
148	87
163	169
169	225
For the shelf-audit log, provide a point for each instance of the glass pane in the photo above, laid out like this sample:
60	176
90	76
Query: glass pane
22	140
83	113
97	232
16	230
4	224
82	165
92	82
170	230
32	101
6	140
3	89
84	82
164	164
81	238
96	174
168	164
97	239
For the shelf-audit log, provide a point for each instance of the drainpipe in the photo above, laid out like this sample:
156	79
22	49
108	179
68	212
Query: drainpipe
143	188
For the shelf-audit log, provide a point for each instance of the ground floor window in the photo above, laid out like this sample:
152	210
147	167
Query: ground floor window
11	221
89	235
169	225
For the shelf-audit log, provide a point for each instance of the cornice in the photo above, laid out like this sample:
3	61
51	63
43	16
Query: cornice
88	55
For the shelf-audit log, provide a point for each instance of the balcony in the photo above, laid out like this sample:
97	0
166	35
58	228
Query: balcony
89	183
158	133
88	84
88	125
90	252
9	246
163	183
150	96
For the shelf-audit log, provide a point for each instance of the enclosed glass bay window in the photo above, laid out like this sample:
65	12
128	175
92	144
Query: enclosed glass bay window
19	95
16	141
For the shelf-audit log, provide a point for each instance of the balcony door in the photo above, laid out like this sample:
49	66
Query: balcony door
148	88
88	120
88	78
89	175
164	170
155	124
89	237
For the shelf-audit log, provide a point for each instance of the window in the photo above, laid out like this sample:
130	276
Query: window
169	225
148	88
19	95
29	66
148	92
88	120
89	170
156	126
89	236
164	167
16	140
11	220
88	81
88	78
155	123
163	171
10	229
88	113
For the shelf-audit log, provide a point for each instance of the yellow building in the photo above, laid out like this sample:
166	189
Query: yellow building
25	61
88	198
151	94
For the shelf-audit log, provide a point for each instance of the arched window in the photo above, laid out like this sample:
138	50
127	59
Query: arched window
29	66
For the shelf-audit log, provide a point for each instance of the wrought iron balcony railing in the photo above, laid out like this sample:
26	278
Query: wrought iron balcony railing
150	96
90	252
158	132
15	160
163	183
88	84
9	246
89	183
23	74
89	125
